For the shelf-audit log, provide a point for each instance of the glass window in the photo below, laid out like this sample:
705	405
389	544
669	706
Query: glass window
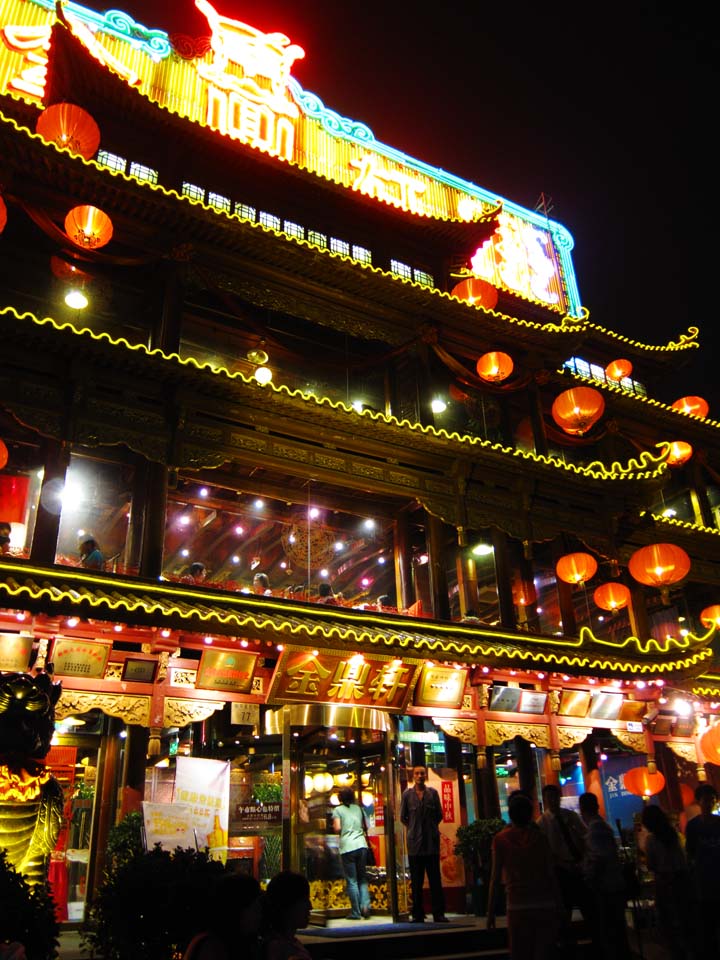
94	506
340	246
246	212
111	161
220	202
192	191
143	173
401	269
20	483
319	239
294	230
426	279
269	220
362	254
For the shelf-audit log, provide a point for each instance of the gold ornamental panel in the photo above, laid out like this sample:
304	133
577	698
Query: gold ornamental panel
633	741
126	707
686	751
498	733
464	730
569	736
180	713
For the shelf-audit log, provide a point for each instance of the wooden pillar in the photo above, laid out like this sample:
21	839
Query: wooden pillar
153	531
503	577
466	575
565	592
166	331
138	509
104	810
436	562
537	420
47	522
637	610
488	801
698	494
403	561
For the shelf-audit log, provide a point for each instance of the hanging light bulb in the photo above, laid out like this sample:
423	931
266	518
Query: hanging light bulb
262	373
76	299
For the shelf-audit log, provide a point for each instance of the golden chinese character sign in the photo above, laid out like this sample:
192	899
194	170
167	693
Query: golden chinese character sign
242	88
226	670
80	658
15	650
326	676
440	687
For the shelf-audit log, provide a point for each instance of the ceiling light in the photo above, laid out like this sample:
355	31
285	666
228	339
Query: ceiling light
438	405
76	299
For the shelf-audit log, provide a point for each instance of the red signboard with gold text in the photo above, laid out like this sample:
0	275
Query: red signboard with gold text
326	676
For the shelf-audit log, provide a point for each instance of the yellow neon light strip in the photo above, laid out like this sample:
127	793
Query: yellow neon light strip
686	341
685	524
351	634
613	388
645	467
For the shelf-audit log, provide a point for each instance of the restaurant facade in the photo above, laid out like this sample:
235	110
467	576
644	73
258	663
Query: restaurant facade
241	336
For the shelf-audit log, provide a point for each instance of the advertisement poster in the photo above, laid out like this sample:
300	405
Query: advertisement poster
169	824
205	786
620	804
451	866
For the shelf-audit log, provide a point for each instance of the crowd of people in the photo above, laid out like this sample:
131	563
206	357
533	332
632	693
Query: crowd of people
567	861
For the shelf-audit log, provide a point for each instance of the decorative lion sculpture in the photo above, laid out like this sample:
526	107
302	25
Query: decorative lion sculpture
31	799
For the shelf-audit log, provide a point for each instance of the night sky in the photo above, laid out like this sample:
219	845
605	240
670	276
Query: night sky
588	104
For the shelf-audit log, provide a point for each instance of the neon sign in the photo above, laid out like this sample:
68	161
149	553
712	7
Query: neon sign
243	88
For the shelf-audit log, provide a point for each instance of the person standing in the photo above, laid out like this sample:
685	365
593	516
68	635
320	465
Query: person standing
603	875
666	860
565	833
522	858
349	822
421	814
702	844
261	585
90	554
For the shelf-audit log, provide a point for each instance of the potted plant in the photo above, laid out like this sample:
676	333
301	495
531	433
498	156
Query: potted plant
474	845
27	914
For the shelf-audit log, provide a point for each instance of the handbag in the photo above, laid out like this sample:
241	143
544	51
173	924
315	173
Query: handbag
371	861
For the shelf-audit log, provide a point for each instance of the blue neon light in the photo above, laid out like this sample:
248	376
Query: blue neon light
155	43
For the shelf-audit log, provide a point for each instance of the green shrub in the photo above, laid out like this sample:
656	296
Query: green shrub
27	914
149	905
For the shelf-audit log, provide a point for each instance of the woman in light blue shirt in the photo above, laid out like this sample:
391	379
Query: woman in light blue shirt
349	822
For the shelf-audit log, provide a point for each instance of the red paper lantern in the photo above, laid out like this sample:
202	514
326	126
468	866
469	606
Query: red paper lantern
692	405
659	565
710	616
680	452
611	596
70	127
88	227
3	214
64	270
576	567
687	794
642	783
494	366
3	454
710	744
13	498
618	370
523	592
576	410
475	291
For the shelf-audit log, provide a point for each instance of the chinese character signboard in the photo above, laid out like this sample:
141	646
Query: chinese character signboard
226	670
80	658
15	650
451	866
440	687
326	676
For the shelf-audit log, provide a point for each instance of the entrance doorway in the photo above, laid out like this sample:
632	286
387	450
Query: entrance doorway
325	749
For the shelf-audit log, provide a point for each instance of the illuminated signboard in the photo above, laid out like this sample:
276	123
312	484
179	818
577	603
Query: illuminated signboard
15	650
80	658
440	687
242	87
226	670
325	676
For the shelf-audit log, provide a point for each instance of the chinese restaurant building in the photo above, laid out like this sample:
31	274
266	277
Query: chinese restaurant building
306	355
